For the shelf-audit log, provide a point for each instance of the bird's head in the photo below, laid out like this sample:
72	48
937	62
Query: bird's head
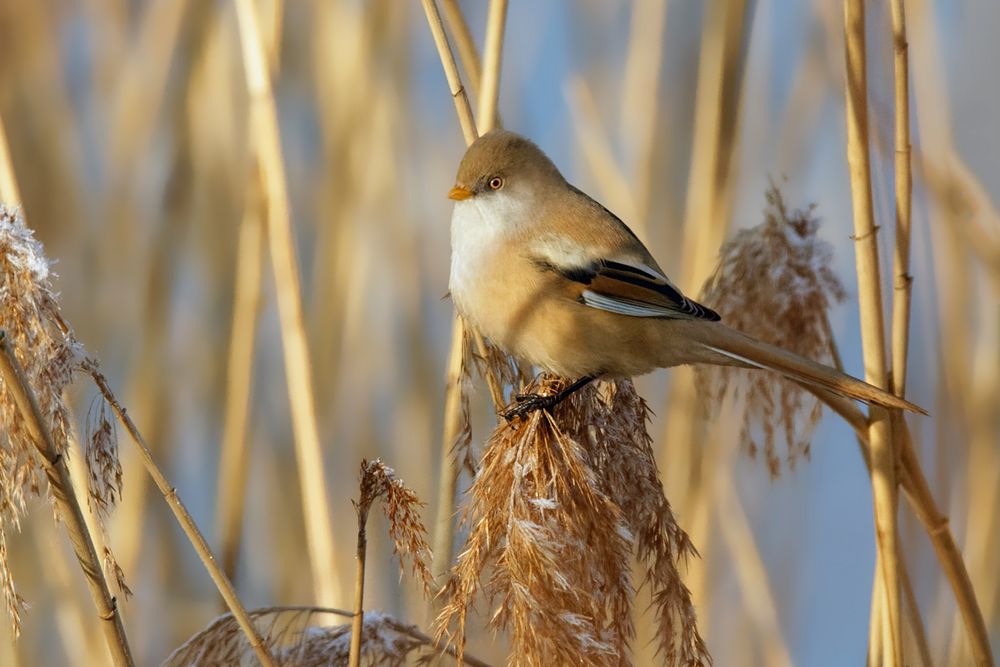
502	163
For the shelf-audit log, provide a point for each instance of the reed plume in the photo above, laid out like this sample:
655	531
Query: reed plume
402	509
774	282
560	503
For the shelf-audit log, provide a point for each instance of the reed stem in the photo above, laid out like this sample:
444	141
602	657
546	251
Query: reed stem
358	620
884	487
489	94
462	107
466	45
267	153
903	284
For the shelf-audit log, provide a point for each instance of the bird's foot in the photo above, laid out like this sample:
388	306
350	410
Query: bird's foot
528	403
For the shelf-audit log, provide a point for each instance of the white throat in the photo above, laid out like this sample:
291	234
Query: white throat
479	227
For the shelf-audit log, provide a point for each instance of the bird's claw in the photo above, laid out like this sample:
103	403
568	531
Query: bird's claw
526	404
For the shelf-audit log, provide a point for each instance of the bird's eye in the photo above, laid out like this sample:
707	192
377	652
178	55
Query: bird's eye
496	183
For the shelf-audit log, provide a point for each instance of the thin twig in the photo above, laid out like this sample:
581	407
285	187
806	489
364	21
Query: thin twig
884	487
186	522
489	94
67	504
267	150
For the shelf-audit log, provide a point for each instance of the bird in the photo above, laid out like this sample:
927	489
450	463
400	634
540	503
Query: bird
556	280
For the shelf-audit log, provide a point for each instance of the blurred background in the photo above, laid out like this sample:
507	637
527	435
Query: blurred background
130	137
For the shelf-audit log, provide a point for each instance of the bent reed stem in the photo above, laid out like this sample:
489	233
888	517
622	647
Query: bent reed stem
67	504
187	523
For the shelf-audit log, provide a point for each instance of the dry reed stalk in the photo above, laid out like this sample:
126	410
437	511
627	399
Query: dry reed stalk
598	154
9	193
141	84
456	427
389	642
53	461
947	551
342	60
165	38
782	256
918	632
458	94
884	458
558	504
468	55
233	462
779	268
489	94
721	66
641	101
935	523
266	146
721	69
966	231
751	572
455	401
853	416
357	623
904	199
184	518
401	505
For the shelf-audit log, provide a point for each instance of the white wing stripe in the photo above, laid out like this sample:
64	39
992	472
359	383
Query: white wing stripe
627	307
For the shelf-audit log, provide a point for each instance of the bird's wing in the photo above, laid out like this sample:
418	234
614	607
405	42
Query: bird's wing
607	265
623	286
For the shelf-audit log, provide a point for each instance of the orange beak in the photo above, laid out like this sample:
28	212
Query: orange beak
458	193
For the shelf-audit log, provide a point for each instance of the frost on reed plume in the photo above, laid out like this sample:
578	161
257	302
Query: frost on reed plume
558	507
49	354
774	282
295	640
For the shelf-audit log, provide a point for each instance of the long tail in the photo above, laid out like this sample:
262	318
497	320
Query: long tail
744	350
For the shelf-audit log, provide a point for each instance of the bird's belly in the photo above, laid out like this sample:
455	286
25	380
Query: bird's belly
533	321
